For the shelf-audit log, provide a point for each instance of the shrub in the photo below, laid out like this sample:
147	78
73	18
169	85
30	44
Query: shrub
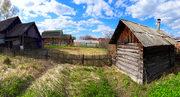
7	61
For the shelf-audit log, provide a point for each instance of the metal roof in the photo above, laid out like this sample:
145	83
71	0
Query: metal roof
146	35
52	33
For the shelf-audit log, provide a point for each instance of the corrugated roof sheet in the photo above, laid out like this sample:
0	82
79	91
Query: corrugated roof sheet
19	29
52	33
146	35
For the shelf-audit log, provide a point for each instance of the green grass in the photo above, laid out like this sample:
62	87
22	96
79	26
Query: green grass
39	78
169	88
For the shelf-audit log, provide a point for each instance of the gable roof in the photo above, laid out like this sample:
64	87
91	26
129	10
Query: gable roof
19	29
52	33
4	24
65	37
146	35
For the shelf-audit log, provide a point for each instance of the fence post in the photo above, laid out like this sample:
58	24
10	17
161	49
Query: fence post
47	55
111	59
13	52
86	44
83	59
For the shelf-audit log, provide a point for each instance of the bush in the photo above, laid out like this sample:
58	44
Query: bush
7	61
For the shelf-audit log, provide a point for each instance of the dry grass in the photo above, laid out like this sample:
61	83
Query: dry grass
39	78
79	50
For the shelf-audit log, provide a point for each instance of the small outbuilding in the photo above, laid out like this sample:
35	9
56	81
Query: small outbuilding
5	26
26	35
143	53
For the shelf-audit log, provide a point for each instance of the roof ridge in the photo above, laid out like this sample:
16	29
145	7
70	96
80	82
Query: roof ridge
9	18
134	22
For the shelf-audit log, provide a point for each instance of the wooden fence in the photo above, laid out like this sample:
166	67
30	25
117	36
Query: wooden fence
61	57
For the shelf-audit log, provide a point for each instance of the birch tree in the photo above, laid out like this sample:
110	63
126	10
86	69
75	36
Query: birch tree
7	9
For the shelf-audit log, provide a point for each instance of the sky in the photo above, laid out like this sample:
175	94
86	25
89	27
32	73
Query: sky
97	17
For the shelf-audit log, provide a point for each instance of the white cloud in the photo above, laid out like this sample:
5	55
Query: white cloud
96	7
42	7
168	11
66	22
103	29
89	22
80	28
119	3
84	7
60	22
73	32
110	1
67	30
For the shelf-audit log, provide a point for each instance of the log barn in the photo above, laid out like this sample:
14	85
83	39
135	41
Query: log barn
143	53
26	35
5	26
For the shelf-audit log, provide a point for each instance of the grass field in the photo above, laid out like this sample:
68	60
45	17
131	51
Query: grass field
77	50
27	77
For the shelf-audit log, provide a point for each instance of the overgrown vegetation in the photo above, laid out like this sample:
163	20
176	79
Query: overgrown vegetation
39	78
169	88
7	61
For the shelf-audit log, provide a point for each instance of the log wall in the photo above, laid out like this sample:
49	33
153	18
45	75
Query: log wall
157	59
129	60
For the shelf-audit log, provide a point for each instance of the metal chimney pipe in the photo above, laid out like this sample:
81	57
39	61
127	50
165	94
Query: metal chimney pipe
158	25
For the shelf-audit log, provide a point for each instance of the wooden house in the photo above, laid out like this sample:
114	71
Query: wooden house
66	39
143	53
52	34
7	25
26	35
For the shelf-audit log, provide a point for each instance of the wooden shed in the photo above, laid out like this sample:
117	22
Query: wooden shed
143	53
5	26
26	35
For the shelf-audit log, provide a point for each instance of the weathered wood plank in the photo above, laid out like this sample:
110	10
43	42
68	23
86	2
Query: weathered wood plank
155	59
128	73
157	63
130	36
129	50
128	54
157	66
130	44
125	68
128	64
128	47
129	58
155	75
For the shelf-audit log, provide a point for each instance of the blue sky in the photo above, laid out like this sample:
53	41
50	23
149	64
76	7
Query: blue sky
97	17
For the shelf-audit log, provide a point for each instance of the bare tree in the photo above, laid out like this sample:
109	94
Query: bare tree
7	10
86	37
108	34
